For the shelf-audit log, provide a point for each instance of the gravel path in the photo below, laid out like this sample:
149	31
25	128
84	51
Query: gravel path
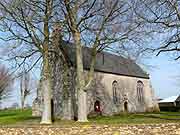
141	129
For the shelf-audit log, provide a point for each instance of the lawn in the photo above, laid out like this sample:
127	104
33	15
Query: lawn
140	118
15	116
23	117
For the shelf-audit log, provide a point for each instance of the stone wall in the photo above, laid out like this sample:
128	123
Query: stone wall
62	83
127	92
64	95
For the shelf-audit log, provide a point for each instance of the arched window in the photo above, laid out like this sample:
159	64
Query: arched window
115	88
140	91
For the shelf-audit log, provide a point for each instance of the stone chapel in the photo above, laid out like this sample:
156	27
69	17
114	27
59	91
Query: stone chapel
119	85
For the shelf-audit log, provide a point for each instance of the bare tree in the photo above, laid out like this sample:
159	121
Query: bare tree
5	83
25	87
163	18
26	25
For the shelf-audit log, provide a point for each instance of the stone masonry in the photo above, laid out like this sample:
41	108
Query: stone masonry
115	89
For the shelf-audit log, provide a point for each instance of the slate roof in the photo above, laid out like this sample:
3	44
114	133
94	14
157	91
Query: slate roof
178	99
107	63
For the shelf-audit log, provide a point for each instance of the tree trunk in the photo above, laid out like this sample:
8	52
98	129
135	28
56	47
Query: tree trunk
22	102
22	91
46	87
82	106
47	80
82	102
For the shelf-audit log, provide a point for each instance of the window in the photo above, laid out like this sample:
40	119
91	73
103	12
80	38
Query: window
140	91
115	87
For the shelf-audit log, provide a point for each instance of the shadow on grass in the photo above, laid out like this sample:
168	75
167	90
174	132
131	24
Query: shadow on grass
8	114
15	117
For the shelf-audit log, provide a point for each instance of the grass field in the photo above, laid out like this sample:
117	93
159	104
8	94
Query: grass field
23	117
15	116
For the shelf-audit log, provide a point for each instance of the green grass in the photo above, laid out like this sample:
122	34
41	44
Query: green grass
24	117
15	116
142	118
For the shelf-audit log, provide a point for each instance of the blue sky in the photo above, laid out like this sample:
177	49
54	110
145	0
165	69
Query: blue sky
164	75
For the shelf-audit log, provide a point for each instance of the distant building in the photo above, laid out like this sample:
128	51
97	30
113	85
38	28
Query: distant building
170	104
14	106
159	99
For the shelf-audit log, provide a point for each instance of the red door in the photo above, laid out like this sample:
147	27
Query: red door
97	106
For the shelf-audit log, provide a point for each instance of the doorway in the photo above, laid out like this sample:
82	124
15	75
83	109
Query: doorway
126	106
97	106
52	110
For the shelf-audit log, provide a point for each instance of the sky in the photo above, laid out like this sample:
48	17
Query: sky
164	75
16	95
